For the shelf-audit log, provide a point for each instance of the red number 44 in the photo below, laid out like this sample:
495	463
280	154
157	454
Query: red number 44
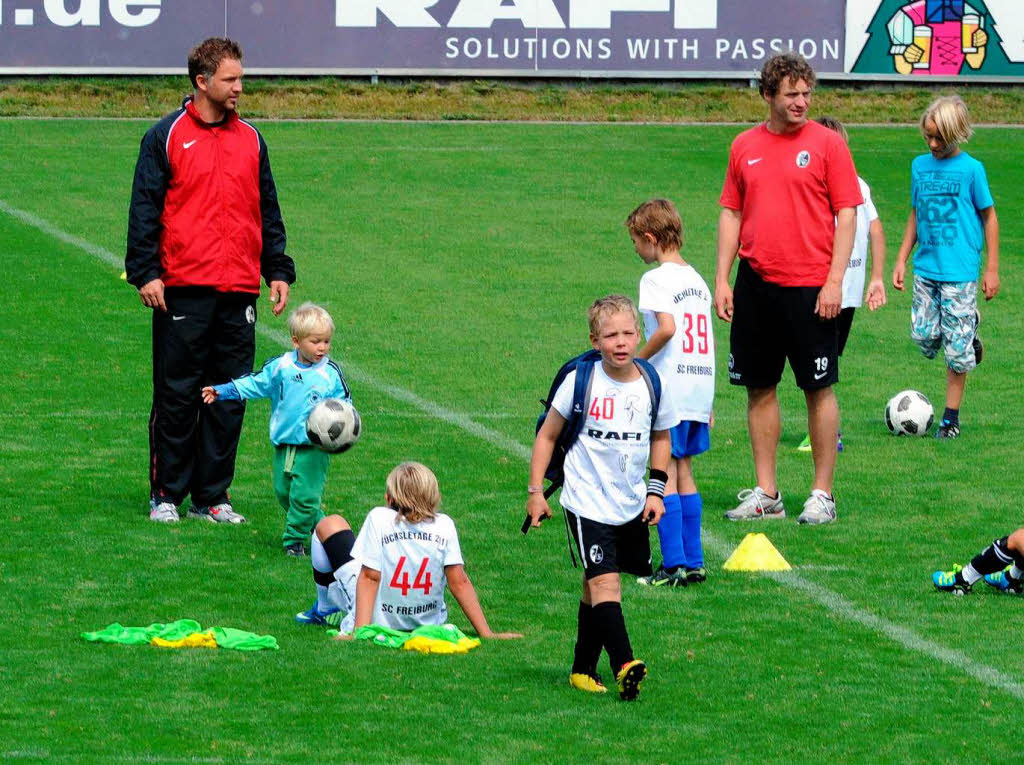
421	582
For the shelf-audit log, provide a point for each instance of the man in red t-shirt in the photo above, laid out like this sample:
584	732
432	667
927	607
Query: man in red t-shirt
789	211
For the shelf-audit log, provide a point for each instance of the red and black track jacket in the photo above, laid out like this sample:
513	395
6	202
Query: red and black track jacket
204	208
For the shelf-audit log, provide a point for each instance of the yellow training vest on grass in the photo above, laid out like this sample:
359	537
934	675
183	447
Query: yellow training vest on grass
756	553
195	640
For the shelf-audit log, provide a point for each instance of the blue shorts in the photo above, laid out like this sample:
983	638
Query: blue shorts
690	438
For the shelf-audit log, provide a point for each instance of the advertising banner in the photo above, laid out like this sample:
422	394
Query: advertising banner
585	38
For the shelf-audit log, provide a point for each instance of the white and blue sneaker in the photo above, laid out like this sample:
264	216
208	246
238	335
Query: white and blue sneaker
313	615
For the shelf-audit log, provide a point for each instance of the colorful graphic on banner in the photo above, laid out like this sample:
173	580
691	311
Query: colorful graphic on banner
937	37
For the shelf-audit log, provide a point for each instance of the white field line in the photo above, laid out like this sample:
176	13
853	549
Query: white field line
48	228
832	601
840	606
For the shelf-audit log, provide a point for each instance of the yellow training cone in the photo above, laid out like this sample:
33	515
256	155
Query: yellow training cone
124	276
756	553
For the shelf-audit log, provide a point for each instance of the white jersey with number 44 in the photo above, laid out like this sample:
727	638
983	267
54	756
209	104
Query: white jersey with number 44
411	558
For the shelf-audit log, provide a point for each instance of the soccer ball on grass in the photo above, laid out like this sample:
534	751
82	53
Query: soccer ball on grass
909	413
333	425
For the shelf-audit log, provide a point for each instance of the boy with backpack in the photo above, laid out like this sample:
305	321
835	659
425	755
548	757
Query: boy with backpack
608	427
675	303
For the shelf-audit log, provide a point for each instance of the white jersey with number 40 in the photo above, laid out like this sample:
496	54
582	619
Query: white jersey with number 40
605	469
411	558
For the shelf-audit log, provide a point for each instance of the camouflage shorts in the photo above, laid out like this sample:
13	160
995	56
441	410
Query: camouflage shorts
945	314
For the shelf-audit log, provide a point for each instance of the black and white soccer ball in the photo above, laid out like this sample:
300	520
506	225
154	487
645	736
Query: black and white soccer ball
909	413
333	425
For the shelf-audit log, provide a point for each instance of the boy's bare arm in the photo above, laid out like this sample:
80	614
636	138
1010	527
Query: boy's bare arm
661	453
666	329
366	593
990	278
909	240
876	285
465	594
543	447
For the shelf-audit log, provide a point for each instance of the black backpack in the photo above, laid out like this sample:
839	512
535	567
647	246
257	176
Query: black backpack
584	366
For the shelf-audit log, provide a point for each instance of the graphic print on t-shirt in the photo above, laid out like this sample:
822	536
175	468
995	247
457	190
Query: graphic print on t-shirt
605	469
947	195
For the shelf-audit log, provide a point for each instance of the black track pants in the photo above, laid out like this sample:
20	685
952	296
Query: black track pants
204	338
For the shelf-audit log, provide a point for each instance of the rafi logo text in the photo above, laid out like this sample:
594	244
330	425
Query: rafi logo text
539	14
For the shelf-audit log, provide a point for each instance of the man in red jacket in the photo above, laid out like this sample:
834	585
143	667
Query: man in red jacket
203	226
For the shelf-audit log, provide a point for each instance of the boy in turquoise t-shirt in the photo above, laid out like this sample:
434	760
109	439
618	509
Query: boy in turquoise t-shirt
295	382
952	217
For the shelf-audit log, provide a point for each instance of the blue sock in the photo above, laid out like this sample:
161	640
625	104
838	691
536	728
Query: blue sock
670	533
690	507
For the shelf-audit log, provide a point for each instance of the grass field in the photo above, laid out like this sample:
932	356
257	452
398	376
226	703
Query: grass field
458	261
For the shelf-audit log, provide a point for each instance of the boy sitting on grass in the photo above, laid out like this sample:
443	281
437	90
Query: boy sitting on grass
394	574
1001	564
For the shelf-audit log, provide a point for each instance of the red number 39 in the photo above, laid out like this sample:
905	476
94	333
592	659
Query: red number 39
701	342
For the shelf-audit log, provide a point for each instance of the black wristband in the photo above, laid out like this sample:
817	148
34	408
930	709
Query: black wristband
656	483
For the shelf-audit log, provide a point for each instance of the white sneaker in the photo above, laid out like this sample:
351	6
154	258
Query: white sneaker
756	503
222	513
819	508
163	512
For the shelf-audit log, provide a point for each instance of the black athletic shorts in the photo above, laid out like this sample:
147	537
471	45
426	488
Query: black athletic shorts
770	324
607	549
845	320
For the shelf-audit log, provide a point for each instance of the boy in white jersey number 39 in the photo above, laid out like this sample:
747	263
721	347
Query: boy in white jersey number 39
676	306
608	505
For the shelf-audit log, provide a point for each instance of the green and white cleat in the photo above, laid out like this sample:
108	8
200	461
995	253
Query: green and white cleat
662	578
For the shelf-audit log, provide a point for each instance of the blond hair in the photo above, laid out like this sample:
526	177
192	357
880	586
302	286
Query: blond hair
309	318
660	219
952	122
412	492
835	126
604	307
